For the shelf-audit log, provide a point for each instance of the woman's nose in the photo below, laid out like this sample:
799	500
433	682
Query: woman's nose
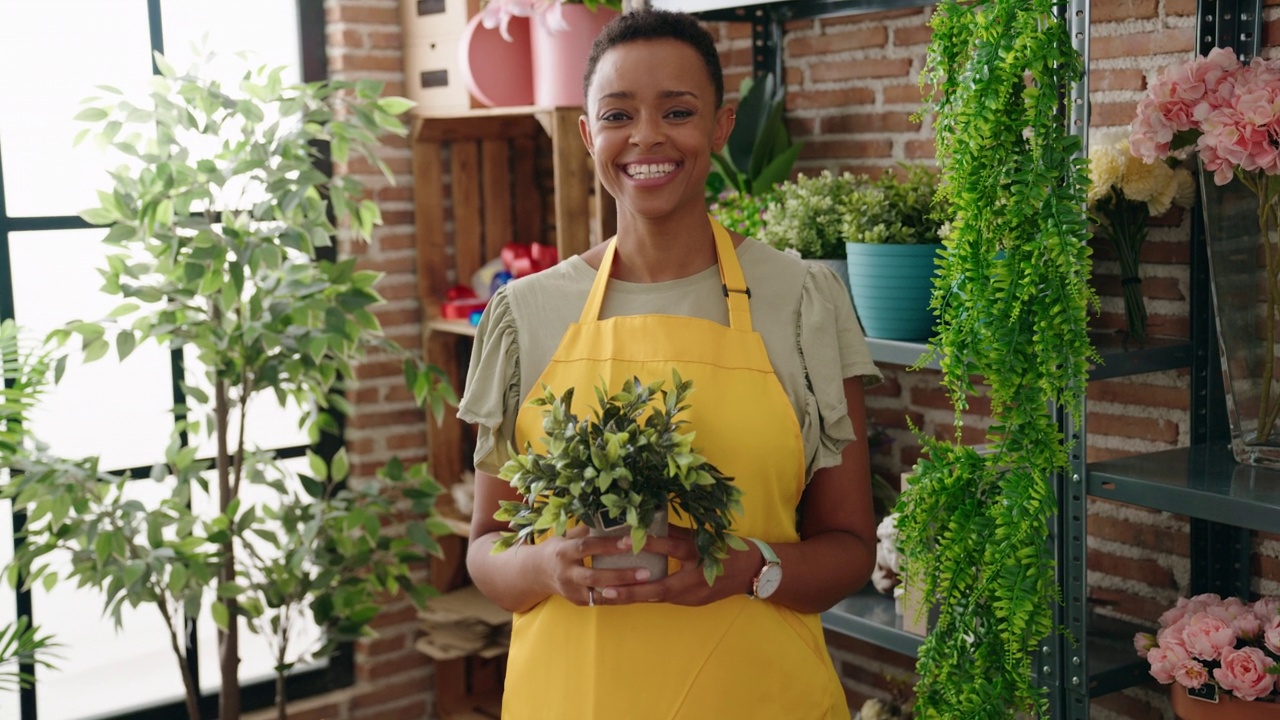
647	131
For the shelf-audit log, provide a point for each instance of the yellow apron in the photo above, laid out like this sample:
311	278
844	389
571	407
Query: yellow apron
738	658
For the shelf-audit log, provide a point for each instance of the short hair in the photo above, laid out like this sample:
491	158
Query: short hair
654	24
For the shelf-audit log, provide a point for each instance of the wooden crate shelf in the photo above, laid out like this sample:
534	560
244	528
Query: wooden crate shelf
477	187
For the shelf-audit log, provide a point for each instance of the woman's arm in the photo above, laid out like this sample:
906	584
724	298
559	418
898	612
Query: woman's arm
833	559
523	576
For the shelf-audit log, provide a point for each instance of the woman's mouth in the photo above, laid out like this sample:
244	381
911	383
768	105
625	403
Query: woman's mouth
649	171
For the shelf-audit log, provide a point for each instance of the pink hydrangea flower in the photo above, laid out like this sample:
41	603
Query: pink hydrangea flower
1244	673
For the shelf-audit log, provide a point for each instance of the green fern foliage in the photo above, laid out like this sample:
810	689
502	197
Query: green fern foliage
1013	301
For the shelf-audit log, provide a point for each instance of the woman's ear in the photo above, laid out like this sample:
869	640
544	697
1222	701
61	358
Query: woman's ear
584	129
725	119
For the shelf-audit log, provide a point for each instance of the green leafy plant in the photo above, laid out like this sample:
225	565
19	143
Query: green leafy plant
1013	301
759	153
216	229
22	643
808	215
742	212
625	462
895	211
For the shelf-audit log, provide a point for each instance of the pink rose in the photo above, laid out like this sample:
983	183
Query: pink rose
1175	613
1271	634
1171	637
1165	662
1190	673
1244	673
1267	608
1143	642
1207	637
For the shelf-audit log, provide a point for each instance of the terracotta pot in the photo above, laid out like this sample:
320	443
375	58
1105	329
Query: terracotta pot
1227	707
657	564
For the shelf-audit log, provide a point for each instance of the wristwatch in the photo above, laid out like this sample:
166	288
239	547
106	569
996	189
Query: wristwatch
770	576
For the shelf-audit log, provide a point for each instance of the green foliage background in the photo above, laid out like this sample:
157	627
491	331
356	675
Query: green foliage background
1013	300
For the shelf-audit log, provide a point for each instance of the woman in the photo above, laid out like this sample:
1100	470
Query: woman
778	365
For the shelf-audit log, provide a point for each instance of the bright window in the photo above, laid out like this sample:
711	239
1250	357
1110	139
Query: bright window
52	55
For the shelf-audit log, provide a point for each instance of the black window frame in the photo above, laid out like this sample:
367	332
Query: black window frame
339	671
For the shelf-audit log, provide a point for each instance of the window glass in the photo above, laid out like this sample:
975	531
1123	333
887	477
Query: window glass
9	709
120	671
119	411
192	29
257	656
52	55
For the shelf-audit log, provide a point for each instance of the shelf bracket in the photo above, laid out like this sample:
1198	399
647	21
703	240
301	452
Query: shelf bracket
1235	24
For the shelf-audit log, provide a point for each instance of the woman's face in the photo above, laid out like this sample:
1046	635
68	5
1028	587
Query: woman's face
652	124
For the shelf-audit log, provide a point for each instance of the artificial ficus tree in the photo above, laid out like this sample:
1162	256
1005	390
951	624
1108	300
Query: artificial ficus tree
217	228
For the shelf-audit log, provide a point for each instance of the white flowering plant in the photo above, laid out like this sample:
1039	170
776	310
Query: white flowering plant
1125	191
808	215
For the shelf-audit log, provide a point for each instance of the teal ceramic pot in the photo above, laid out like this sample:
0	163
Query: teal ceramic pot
891	286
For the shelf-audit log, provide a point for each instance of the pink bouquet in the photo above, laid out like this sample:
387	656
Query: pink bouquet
498	13
1208	640
1230	112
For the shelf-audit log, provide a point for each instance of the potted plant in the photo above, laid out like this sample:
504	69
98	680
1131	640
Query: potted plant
893	235
619	470
1219	655
806	218
1013	299
218	229
759	153
558	36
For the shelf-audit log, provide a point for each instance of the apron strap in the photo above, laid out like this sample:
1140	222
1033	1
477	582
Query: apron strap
732	281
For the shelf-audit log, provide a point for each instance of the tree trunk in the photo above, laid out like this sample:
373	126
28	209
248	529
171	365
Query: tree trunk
188	682
229	639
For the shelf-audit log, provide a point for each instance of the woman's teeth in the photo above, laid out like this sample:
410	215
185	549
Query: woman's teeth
650	171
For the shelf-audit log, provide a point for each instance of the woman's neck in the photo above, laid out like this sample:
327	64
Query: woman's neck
659	250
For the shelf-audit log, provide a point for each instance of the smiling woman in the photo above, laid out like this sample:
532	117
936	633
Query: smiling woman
777	364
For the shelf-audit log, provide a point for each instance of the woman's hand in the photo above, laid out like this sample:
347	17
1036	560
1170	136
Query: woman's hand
570	578
686	586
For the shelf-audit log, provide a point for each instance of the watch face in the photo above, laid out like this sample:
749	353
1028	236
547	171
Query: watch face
769	579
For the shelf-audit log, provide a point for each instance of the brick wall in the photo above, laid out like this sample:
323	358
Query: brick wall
851	92
852	88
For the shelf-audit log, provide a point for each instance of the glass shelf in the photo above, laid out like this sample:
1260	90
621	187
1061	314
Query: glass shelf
870	616
1201	482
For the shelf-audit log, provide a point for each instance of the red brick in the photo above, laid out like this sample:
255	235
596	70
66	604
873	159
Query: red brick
384	40
412	710
1131	393
389	693
365	61
344	12
392	318
917	149
896	418
859	69
801	127
1271	34
1112	113
1172	40
1117	79
360	165
890	387
795	75
1266	566
910	93
737	30
856	39
1105	527
873	17
1147	572
1179	7
1133	427
345	38
846	148
1127	603
844	98
884	122
390	667
916	35
408	440
1162	288
1108	10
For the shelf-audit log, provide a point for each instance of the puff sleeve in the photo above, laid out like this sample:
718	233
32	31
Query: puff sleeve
832	348
492	391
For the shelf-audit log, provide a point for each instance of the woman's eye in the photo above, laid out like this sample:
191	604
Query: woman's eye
614	116
681	114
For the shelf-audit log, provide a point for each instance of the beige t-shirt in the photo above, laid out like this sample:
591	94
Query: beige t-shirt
802	311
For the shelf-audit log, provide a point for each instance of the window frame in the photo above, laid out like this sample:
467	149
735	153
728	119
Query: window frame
339	671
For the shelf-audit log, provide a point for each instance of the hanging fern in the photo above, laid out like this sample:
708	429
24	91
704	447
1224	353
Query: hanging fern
1013	300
